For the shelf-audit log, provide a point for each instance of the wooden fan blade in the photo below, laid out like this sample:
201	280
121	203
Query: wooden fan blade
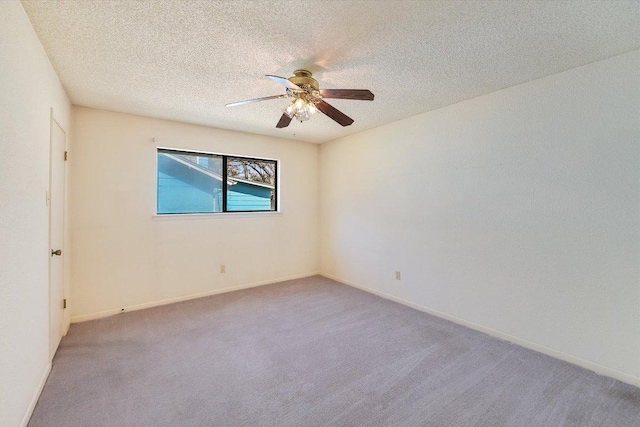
284	82
284	121
334	113
251	101
357	94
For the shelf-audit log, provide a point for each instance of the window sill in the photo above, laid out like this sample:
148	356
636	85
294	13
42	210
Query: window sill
216	215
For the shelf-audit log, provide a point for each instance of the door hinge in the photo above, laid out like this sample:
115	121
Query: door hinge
64	303
66	156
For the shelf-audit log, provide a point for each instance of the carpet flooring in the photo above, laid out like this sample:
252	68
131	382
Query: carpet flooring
313	352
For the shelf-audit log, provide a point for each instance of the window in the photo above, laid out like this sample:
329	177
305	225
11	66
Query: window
190	182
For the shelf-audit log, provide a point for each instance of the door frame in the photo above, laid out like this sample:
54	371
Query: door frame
65	327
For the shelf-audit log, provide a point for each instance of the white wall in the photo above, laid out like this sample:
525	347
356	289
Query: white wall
28	89
518	211
123	256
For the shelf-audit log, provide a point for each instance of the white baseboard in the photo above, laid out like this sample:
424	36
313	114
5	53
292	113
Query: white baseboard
107	313
36	396
592	366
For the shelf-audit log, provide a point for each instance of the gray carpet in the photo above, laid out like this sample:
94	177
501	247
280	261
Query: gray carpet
313	352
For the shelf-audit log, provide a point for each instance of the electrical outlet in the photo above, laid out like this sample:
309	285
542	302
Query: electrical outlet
222	268
397	275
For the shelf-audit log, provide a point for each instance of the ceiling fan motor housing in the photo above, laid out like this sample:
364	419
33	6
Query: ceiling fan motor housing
303	79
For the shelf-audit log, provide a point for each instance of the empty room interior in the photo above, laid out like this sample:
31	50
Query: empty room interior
319	213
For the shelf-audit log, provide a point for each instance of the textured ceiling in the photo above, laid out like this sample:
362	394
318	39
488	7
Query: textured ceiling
183	60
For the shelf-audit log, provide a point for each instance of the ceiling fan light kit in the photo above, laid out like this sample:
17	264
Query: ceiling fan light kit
308	99
301	109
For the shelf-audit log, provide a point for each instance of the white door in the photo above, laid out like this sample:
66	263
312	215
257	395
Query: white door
56	236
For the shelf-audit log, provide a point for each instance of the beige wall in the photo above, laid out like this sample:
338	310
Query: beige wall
516	213
29	88
124	257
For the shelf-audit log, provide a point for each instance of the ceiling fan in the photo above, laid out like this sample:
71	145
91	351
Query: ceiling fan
308	99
